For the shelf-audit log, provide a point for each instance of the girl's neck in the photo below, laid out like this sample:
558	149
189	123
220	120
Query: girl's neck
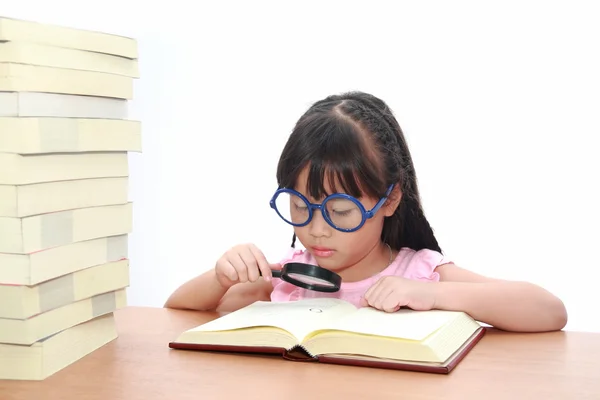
376	260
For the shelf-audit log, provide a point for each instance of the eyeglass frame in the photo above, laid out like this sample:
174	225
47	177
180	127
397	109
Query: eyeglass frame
366	215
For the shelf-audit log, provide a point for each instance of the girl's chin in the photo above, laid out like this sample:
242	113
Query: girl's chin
331	263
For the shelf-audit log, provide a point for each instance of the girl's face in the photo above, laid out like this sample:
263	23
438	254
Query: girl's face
354	255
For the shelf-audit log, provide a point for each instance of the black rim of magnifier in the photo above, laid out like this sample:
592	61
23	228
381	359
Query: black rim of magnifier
313	271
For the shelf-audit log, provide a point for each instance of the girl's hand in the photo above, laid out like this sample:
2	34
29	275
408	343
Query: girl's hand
243	263
390	293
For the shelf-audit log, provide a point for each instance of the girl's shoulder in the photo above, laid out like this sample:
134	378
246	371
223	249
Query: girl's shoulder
417	264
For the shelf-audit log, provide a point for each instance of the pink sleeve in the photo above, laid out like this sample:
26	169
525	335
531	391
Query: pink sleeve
422	265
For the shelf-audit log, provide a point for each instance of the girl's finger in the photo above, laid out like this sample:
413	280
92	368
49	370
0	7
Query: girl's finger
369	293
250	262
390	302
380	296
263	264
376	291
229	271
240	266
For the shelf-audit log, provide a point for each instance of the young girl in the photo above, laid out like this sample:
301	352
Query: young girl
348	187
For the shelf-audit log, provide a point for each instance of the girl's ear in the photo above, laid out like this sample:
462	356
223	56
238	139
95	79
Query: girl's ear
393	201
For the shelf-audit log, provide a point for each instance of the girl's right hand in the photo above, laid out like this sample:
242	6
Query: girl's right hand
243	263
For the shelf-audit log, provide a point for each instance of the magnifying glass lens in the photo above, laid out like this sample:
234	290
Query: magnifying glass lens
310	280
311	277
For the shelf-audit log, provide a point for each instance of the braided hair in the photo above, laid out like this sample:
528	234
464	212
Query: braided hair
355	140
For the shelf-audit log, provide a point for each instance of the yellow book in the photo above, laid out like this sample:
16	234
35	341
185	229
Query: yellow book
31	269
19	201
333	331
23	302
34	329
12	29
41	232
60	57
68	135
56	105
19	169
54	353
33	78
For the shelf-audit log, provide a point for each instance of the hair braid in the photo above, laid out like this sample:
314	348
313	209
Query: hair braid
408	226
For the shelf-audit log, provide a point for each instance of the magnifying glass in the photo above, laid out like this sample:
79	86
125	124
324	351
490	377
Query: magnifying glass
308	276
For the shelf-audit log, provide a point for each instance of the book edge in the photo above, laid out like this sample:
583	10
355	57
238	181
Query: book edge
455	359
227	348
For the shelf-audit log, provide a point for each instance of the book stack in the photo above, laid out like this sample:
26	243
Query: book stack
65	216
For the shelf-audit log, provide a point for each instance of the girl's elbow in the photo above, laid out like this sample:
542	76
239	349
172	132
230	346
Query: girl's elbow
551	310
559	316
554	314
173	304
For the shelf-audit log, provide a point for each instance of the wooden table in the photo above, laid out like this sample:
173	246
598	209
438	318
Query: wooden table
139	365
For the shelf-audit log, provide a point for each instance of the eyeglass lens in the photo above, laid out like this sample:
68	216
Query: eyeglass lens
343	213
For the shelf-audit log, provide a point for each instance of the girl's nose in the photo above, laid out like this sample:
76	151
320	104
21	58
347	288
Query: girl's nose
318	227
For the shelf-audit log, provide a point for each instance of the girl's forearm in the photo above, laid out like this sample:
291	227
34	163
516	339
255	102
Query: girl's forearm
200	293
512	306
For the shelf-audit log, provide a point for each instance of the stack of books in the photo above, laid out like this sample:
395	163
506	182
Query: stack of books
65	216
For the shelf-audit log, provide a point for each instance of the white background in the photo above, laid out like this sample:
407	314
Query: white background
499	102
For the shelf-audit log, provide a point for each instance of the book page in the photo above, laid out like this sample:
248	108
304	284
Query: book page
297	317
402	324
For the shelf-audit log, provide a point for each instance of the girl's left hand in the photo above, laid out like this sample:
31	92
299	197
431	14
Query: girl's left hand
390	293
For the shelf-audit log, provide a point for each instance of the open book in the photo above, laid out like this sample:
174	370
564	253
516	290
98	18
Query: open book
333	331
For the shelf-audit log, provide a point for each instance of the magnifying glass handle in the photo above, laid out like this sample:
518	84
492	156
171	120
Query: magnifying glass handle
275	272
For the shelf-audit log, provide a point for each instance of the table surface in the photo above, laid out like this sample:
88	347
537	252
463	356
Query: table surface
140	365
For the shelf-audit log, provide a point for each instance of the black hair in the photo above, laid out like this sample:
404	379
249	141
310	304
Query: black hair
355	140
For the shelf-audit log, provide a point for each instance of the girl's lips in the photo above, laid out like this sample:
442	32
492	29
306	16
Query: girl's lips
322	251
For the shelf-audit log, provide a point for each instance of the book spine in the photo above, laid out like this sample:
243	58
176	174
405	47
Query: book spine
299	353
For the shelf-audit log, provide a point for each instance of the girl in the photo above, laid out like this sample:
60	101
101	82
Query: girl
348	187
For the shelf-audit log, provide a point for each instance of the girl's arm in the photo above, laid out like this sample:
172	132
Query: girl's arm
507	305
205	293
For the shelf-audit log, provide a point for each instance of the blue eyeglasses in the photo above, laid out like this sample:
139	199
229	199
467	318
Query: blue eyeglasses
343	212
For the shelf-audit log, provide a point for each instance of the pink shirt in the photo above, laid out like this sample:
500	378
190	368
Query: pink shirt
418	265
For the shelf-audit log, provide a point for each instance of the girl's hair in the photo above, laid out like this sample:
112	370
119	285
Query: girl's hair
354	140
